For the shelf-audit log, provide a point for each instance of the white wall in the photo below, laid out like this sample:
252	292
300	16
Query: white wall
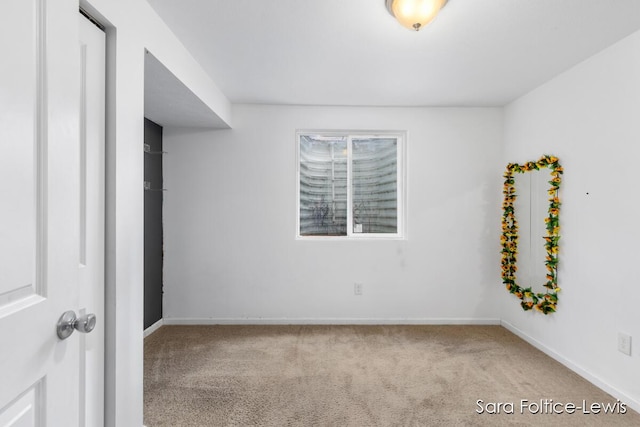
590	118
132	27
231	253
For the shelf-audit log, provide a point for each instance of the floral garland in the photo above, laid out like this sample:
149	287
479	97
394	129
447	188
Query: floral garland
544	302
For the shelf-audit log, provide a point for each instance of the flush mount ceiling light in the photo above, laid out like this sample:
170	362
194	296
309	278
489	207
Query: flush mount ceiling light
414	14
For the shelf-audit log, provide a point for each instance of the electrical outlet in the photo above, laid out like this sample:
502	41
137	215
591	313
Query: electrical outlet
357	288
624	343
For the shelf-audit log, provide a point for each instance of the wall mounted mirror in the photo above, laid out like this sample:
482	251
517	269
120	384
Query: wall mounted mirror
531	209
530	233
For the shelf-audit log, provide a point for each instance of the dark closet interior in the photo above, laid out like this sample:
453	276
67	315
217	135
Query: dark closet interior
153	232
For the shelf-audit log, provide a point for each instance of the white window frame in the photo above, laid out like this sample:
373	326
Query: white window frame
401	183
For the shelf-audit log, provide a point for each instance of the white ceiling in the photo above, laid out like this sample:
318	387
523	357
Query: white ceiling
168	102
352	52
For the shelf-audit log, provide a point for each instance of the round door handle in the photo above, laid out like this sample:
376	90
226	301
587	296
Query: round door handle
68	322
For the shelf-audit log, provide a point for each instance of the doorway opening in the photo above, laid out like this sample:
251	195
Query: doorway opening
153	227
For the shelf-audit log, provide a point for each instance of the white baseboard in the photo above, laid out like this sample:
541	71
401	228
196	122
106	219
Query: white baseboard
151	329
327	321
623	397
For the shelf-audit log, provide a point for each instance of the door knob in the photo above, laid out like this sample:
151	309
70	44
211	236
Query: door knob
68	322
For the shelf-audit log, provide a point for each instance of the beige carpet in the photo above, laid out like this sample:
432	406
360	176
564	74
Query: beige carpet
358	376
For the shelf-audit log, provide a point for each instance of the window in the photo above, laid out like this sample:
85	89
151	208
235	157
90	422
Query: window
350	185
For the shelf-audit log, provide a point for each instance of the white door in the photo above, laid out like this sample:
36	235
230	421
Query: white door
92	208
40	227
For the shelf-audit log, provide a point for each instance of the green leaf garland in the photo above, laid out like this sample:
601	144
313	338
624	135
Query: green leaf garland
543	302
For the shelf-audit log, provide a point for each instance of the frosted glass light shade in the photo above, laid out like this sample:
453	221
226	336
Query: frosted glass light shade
414	14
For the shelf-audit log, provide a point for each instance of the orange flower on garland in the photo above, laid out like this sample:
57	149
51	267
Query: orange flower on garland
544	302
